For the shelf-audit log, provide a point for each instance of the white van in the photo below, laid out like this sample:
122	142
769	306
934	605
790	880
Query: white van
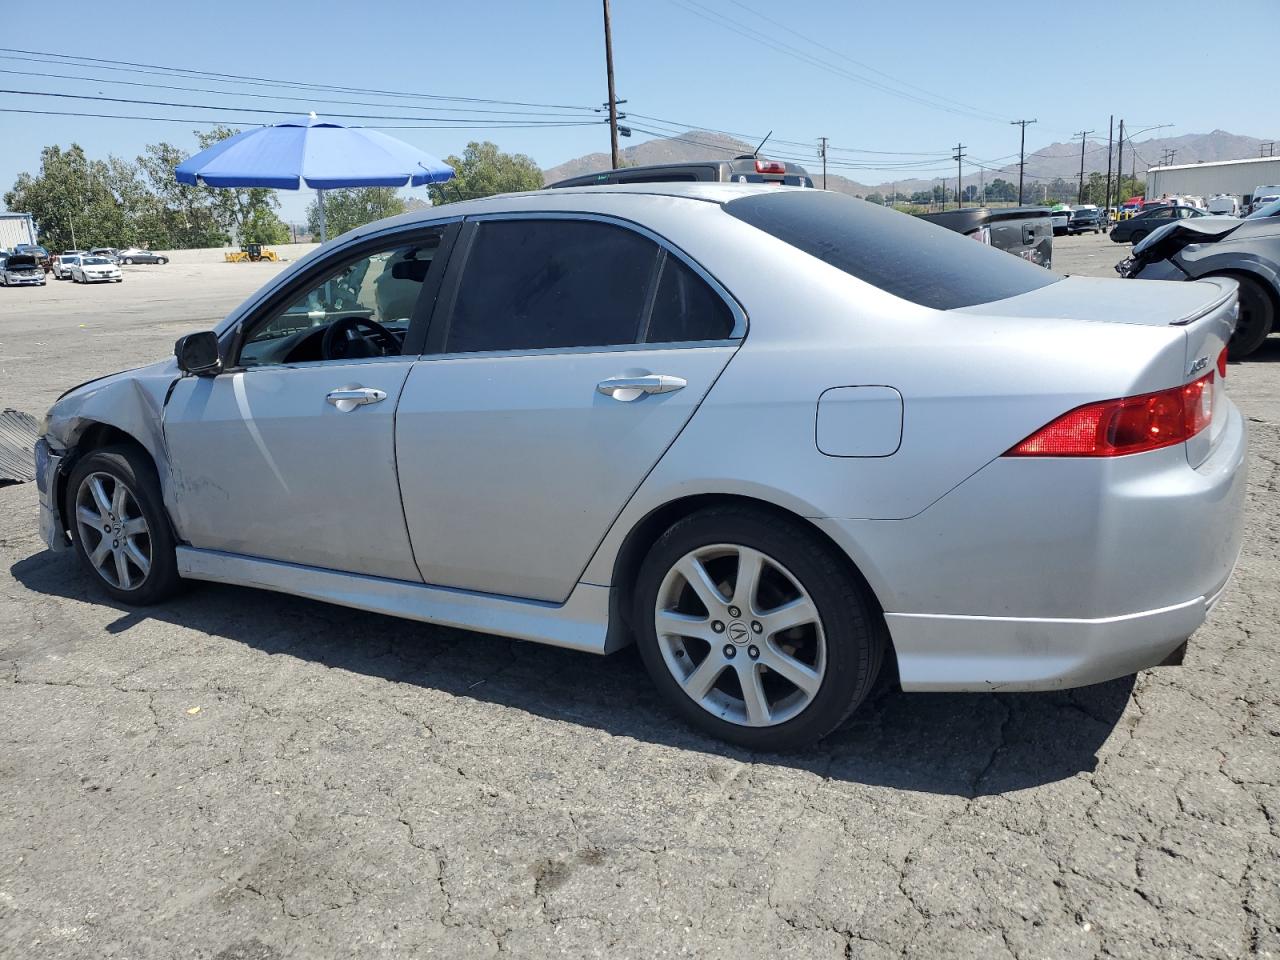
1263	194
1224	205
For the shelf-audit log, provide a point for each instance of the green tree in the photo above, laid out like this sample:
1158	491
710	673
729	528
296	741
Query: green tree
484	170
236	208
180	215
75	200
347	209
875	198
265	226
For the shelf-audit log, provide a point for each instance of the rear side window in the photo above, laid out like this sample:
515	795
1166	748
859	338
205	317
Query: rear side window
902	255
532	284
685	308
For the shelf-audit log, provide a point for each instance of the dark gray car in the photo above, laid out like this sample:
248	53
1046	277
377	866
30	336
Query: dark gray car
1148	221
1247	251
744	169
1026	232
131	255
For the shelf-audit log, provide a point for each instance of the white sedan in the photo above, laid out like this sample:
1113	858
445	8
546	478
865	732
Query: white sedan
94	270
776	437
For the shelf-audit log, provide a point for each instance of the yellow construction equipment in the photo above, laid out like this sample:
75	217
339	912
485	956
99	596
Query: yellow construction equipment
251	253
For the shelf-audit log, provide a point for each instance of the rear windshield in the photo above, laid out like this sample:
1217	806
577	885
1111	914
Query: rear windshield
902	255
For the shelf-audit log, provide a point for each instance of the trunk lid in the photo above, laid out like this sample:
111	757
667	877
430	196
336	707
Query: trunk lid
1205	311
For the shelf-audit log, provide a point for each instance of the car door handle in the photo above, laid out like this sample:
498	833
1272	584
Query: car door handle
632	388
348	398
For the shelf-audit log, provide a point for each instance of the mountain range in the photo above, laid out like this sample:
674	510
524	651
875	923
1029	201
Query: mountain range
1044	165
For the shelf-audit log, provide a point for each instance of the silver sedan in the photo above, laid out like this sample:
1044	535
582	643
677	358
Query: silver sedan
776	437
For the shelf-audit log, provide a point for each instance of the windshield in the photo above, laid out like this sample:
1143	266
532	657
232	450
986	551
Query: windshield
94	262
898	253
1270	208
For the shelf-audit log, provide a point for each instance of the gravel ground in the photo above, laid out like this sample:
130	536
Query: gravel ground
244	776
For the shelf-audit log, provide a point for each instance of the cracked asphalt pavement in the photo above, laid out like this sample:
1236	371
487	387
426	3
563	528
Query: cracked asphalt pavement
239	775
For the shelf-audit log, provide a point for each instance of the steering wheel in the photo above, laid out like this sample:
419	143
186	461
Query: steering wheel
339	344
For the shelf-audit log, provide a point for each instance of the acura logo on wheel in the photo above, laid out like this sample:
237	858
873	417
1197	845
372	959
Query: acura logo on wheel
738	631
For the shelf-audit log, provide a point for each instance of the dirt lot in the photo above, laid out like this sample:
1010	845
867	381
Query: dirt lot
244	776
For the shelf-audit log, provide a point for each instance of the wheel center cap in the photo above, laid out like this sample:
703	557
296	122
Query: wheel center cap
737	632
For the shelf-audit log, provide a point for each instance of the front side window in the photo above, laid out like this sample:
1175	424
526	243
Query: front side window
537	284
359	310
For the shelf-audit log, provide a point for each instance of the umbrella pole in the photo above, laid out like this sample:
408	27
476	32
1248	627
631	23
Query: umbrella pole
324	228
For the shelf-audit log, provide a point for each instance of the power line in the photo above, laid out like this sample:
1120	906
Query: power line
712	16
130	66
233	123
495	123
864	66
279	96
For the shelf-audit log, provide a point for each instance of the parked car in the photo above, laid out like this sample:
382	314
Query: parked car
1084	219
578	444
37	251
1262	195
1023	231
130	255
1060	216
1246	251
1151	218
107	253
1224	205
743	169
21	270
89	269
62	265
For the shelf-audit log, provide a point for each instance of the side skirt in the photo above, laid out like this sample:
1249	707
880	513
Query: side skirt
580	623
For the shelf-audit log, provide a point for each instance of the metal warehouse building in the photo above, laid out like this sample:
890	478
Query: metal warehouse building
16	228
1234	177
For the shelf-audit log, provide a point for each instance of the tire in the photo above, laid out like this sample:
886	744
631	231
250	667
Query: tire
1137	237
128	261
1257	318
836	653
113	469
162	260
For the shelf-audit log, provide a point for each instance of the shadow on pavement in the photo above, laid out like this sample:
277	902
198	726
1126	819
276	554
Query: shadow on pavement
1268	352
958	744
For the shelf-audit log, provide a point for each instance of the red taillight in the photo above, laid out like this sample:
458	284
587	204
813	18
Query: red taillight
1222	363
770	166
1114	428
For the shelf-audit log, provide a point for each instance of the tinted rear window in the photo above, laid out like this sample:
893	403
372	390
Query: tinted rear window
902	255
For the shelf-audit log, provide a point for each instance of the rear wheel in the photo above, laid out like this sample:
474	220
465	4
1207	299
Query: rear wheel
754	629
1257	317
1137	236
118	524
162	260
128	261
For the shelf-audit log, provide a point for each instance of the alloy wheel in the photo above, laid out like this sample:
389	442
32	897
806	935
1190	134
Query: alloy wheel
740	635
113	531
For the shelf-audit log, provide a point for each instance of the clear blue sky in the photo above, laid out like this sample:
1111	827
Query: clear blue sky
697	62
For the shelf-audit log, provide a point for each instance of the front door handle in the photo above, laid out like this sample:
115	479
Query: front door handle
348	398
632	388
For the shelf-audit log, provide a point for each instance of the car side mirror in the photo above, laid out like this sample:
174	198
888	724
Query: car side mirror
198	354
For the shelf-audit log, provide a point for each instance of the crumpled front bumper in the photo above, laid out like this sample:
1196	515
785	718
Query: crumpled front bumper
48	467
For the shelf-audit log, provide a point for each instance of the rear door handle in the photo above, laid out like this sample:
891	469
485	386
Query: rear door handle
632	388
348	398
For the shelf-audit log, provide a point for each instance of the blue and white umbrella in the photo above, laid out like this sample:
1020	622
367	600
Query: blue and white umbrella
313	153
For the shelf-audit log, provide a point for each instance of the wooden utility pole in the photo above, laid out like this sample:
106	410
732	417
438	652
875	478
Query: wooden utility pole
1084	136
1022	154
1119	162
958	157
1111	130
613	96
824	161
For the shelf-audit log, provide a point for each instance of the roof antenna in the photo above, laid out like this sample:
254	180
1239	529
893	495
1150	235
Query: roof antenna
756	151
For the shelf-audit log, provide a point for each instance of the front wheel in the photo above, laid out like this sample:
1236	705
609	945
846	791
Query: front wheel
1257	317
162	260
755	630
121	532
1137	237
128	261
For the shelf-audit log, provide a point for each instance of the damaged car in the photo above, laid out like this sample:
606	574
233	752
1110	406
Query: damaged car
1246	251
22	270
778	438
